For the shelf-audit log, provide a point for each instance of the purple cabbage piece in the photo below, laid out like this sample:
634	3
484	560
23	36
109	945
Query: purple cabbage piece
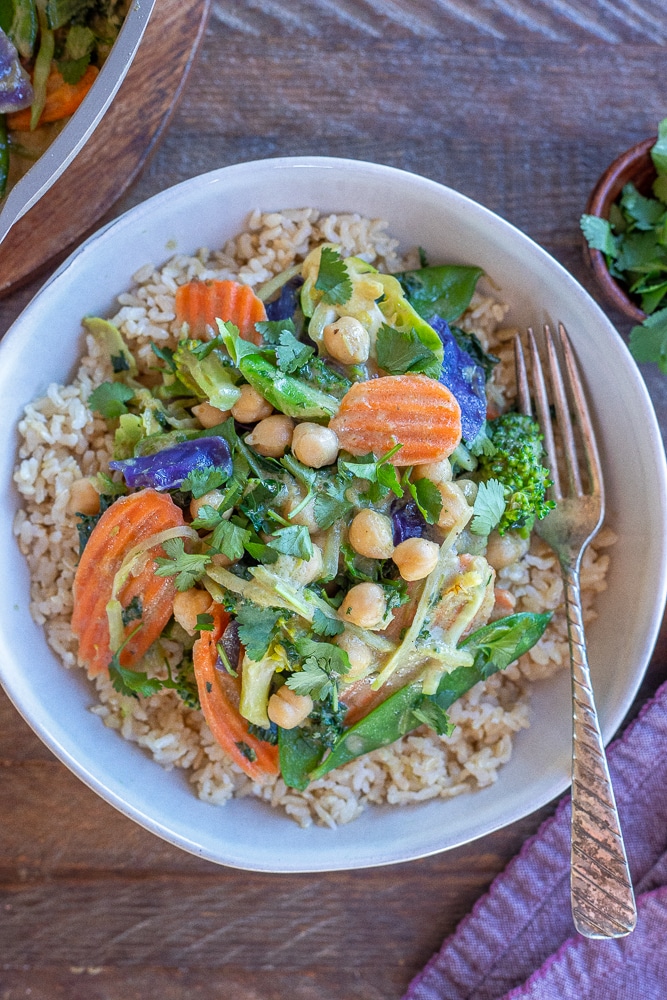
15	87
407	521
464	378
166	469
285	305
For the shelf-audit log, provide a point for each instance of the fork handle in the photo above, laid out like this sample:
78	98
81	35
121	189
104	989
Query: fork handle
603	902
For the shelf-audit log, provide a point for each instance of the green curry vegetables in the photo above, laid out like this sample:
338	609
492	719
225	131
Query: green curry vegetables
325	573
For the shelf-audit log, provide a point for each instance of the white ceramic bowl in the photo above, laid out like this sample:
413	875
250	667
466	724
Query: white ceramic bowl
42	346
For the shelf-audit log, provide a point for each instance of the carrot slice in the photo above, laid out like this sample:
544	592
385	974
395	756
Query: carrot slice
219	694
129	521
412	410
200	303
62	100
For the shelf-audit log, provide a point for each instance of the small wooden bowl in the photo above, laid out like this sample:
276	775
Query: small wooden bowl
634	165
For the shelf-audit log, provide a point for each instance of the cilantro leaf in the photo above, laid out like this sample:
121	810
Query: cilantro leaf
205	623
598	234
431	714
247	751
259	500
379	471
201	481
230	539
207	518
428	498
165	354
645	212
312	679
291	353
648	342
257	628
132	682
323	625
133	611
401	351
489	507
119	363
271	329
324	664
332	278
331	504
187	568
293	541
482	445
109	399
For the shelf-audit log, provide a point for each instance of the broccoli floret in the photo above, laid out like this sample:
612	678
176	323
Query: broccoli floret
517	465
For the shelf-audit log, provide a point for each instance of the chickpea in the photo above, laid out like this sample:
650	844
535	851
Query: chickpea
188	604
306	515
347	340
372	534
272	436
208	415
314	445
454	505
211	499
220	559
83	498
251	406
364	605
469	489
437	472
416	558
358	653
288	709
503	550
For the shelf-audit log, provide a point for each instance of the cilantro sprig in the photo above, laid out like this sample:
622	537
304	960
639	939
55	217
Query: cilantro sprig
333	279
489	507
323	666
187	568
110	399
634	242
401	351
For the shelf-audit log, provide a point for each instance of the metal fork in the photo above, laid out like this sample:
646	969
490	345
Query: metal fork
603	904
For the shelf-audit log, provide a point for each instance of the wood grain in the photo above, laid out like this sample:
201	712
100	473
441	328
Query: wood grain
117	150
521	106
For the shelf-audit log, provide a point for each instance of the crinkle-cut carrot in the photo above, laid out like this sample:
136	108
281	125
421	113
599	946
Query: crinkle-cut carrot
219	694
200	303
412	410
129	521
62	100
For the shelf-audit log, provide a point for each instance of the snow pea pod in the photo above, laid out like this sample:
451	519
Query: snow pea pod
494	647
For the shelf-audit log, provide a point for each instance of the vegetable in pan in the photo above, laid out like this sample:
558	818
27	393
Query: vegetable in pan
50	54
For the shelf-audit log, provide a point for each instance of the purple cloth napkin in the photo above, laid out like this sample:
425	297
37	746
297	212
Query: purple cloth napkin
524	922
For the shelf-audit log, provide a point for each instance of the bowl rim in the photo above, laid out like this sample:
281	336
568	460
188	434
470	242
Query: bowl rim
111	792
607	189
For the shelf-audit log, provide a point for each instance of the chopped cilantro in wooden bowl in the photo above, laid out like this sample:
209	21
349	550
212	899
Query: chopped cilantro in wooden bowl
625	230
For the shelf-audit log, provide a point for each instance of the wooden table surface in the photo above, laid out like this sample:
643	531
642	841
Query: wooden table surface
520	106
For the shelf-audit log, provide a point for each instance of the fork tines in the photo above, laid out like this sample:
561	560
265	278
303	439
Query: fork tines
560	387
